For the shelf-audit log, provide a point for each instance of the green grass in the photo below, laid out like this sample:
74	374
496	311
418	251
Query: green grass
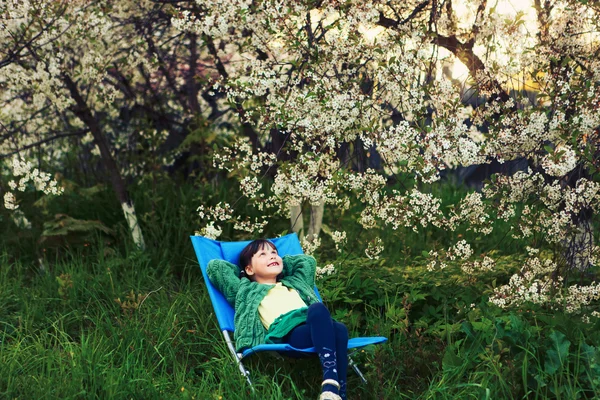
99	319
69	338
75	341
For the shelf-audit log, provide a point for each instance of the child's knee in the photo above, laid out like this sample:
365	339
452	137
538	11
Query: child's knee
317	311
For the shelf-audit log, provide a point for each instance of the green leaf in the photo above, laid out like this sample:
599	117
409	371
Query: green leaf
467	328
540	380
451	360
68	228
90	192
558	352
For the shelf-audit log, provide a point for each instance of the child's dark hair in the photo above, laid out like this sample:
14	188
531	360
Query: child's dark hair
250	250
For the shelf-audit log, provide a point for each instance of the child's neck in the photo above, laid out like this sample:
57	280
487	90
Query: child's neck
267	281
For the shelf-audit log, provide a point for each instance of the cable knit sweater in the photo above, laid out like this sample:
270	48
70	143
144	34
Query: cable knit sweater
245	296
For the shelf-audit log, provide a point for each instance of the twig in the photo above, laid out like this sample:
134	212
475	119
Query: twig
148	295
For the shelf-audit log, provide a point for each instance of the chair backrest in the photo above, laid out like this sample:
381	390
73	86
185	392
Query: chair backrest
208	249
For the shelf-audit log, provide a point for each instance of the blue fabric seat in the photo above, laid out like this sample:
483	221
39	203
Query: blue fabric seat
208	249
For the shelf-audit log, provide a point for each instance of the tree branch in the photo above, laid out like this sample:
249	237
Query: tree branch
390	23
29	146
14	53
464	52
246	127
478	16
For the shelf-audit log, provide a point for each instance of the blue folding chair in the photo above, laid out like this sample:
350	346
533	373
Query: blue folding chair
208	249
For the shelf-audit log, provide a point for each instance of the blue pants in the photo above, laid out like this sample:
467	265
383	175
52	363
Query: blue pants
329	337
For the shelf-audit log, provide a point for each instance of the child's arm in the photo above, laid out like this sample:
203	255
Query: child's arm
301	266
225	276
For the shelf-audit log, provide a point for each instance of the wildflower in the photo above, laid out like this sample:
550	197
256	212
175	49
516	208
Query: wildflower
325	271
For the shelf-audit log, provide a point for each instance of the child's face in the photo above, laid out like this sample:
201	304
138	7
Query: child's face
265	265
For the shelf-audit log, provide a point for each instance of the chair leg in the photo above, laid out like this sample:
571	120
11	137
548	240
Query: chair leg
238	359
355	367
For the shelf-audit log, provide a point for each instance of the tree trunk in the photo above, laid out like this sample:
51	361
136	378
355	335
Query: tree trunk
578	248
316	220
83	112
192	87
296	221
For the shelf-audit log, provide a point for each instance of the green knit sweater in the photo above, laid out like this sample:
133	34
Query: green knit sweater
245	296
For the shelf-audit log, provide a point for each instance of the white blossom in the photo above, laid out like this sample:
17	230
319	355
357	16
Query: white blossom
561	162
325	271
10	201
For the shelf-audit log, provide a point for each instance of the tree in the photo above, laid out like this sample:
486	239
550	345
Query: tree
335	83
90	78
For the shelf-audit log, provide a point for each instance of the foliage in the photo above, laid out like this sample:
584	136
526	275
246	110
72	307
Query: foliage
221	116
106	320
337	101
482	350
63	225
318	103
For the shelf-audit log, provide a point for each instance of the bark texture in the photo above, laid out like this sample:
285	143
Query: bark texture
83	112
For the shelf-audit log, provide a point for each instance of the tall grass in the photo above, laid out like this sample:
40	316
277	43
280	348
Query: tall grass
102	319
74	340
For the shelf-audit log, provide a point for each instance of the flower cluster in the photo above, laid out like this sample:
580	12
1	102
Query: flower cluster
532	284
374	248
472	212
210	231
325	271
339	238
561	162
577	296
215	21
220	213
10	201
254	226
398	145
309	246
487	264
461	250
28	174
434	261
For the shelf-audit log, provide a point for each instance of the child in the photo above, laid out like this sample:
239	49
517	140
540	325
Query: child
274	302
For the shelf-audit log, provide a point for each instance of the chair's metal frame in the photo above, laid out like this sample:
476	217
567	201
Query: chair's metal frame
238	357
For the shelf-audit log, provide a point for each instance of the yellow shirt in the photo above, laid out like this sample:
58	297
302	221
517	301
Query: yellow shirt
279	300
